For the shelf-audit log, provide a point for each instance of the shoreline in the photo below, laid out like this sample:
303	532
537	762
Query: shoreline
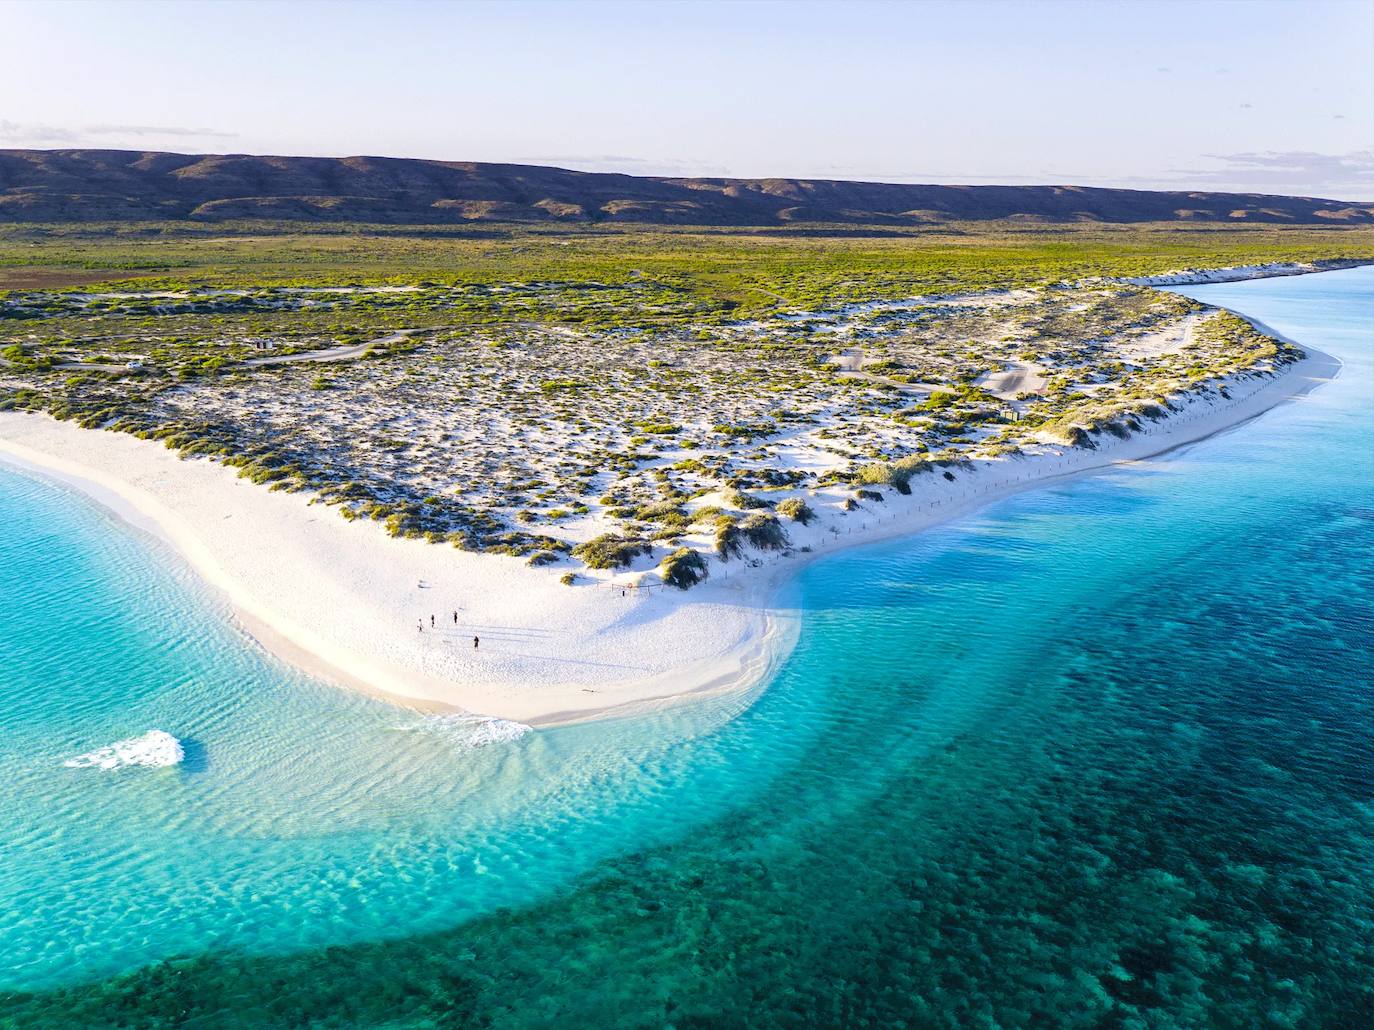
602	649
157	495
1243	273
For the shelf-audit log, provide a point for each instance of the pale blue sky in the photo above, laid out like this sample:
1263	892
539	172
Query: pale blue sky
1276	97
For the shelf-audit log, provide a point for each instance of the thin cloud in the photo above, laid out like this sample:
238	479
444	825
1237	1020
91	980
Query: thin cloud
1356	165
1292	173
1285	171
19	132
156	130
38	133
667	166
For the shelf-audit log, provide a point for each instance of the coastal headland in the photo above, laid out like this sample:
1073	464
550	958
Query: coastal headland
437	627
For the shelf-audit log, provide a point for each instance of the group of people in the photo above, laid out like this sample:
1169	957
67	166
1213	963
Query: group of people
420	627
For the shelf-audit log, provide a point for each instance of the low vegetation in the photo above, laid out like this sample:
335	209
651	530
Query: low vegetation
599	390
610	551
797	510
683	568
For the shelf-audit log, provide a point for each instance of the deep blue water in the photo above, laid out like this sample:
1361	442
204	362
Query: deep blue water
1100	755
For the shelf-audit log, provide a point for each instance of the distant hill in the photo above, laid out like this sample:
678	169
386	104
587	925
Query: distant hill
120	185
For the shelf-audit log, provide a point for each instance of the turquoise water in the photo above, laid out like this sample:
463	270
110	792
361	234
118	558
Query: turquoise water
1102	755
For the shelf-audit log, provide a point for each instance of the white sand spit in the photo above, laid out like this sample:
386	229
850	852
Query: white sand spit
346	602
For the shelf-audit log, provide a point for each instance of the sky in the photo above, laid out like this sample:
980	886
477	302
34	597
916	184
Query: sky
1246	95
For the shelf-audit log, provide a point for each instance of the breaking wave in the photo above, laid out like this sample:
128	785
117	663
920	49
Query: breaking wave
471	731
154	748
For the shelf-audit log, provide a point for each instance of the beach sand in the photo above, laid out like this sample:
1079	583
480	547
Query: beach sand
345	602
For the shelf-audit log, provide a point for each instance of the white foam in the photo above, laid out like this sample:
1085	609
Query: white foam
155	748
470	731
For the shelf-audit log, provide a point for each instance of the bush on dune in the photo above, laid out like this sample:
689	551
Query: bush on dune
729	539
896	474
797	510
611	551
684	568
764	531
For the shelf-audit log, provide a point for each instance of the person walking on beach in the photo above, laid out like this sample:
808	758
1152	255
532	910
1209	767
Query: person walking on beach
420	625
455	618
431	622
474	643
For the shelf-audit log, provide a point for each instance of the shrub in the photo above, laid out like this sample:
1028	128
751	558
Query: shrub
609	551
797	510
561	385
542	558
1074	436
743	432
998	450
658	428
568	578
744	501
904	468
895	474
683	568
662	511
879	473
869	495
764	531
729	540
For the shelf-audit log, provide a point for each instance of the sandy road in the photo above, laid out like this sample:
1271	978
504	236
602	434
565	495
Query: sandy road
331	353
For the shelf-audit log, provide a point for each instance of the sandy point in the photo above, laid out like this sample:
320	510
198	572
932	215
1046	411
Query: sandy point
347	603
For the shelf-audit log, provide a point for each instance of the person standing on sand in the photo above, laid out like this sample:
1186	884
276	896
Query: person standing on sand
474	643
420	625
455	618
431	622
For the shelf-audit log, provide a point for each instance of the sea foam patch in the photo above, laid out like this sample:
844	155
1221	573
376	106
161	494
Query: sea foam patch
154	748
472	730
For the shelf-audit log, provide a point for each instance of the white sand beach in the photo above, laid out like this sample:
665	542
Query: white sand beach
1241	273
348	603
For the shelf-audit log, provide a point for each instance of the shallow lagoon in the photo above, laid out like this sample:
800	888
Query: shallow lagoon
1101	754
